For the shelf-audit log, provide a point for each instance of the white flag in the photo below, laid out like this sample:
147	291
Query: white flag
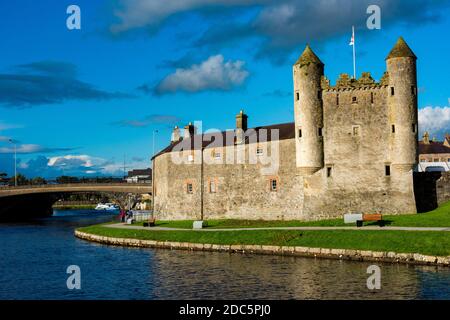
352	40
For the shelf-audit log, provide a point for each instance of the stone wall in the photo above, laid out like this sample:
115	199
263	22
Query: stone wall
243	190
443	188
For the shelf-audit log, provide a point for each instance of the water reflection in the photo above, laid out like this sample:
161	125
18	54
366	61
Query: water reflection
35	255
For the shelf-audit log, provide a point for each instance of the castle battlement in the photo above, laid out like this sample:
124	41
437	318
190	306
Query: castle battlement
346	83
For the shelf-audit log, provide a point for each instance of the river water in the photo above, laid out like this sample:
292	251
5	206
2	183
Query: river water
34	257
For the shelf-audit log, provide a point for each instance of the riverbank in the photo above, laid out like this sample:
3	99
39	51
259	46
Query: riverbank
406	239
239	246
75	207
439	217
429	247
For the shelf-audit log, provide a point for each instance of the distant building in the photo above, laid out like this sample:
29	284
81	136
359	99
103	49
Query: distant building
434	155
139	176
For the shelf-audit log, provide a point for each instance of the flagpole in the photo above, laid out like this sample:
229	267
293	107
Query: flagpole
354	54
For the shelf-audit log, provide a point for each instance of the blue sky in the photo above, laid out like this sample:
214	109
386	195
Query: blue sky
79	101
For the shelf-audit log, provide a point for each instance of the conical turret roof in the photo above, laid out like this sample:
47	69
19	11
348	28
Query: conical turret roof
308	56
401	50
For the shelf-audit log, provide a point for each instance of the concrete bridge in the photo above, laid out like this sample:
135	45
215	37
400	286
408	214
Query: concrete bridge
138	188
22	202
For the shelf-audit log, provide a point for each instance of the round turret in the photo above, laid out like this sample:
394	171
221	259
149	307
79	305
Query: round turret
308	111
402	93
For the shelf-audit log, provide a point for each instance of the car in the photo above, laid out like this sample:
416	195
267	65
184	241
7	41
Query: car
435	169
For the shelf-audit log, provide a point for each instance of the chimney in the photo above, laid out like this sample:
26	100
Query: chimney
241	126
447	140
175	135
189	130
426	138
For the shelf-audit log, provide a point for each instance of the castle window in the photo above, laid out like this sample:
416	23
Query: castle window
216	155
423	160
354	100
191	157
212	186
355	130
448	160
329	169
259	151
189	188
299	133
436	160
273	185
393	128
413	90
337	99
392	91
387	171
371	97
320	132
297	96
414	128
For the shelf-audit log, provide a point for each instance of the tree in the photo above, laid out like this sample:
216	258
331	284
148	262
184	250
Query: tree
3	178
38	181
67	179
21	180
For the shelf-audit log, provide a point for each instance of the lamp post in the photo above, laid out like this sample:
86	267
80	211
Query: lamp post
153	143
15	161
153	173
201	184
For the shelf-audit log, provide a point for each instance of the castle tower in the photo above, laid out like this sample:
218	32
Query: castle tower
308	112
402	100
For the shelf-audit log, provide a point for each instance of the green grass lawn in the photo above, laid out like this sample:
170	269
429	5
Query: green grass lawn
439	217
424	242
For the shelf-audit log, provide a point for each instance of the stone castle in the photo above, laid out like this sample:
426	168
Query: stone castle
351	148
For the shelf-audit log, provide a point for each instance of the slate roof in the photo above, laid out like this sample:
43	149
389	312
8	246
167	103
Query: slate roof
433	147
308	56
400	50
140	172
286	131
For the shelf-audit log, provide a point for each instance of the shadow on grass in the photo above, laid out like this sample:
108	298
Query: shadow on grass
381	223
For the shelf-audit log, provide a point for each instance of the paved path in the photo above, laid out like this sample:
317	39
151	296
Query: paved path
135	227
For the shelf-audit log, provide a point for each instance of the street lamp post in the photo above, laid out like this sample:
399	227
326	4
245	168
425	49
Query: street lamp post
153	173
15	161
202	183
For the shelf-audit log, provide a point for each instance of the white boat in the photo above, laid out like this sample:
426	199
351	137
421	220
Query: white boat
106	207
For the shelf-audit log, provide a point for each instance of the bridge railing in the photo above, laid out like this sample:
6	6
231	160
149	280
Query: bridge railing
69	185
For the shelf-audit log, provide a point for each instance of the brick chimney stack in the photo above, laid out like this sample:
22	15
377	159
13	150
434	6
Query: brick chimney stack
241	126
189	130
176	136
426	138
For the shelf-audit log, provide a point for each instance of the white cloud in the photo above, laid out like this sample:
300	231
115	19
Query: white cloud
435	120
212	73
86	164
28	148
4	138
7	126
139	13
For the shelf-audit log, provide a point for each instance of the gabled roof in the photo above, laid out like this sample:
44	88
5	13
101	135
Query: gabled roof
286	131
400	50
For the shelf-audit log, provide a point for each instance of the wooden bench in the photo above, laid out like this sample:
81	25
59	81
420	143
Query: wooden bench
371	217
150	223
